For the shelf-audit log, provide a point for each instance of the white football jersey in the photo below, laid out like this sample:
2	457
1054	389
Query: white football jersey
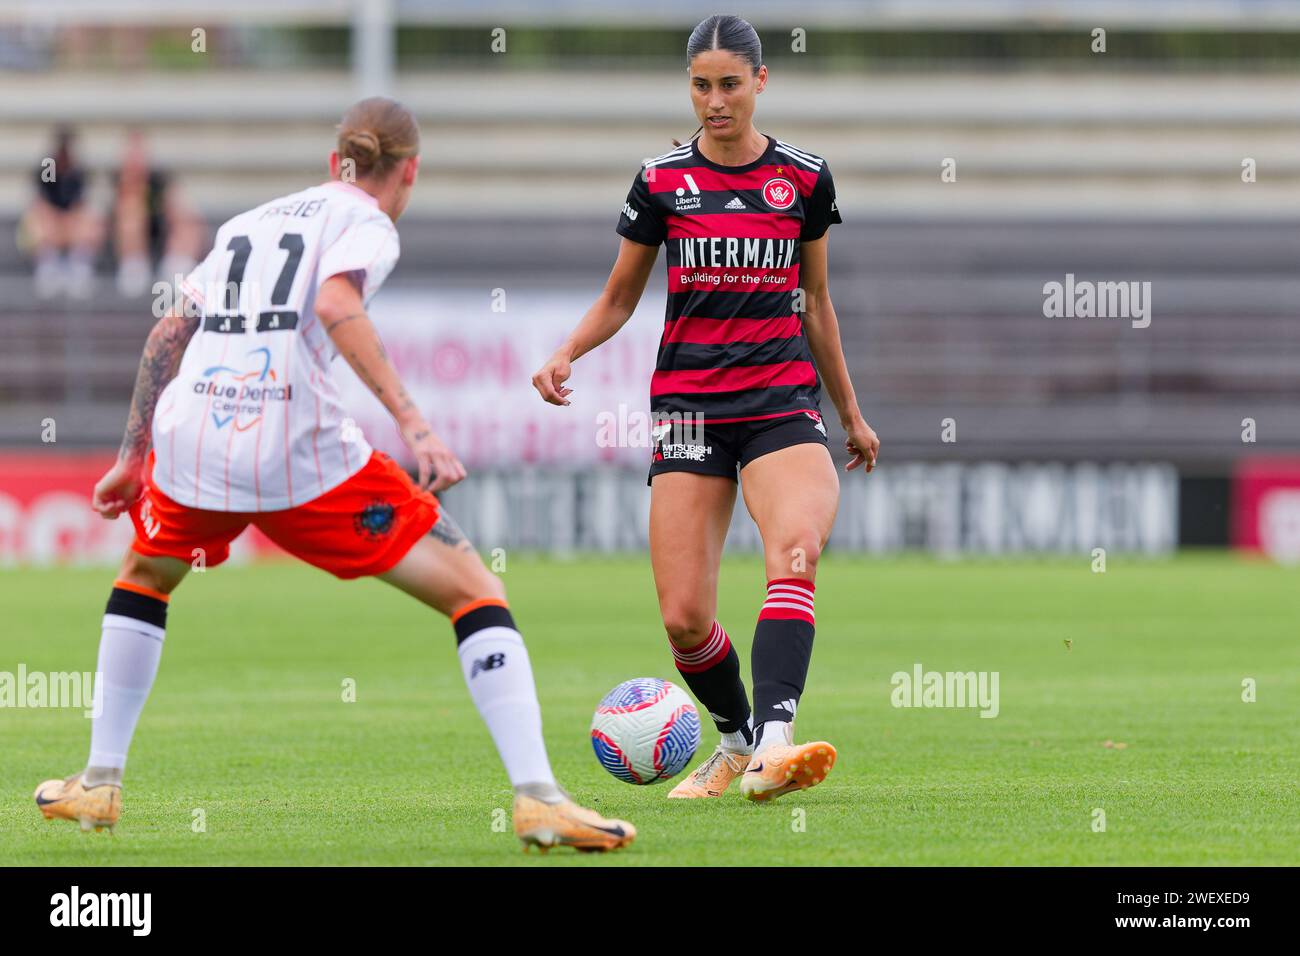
252	421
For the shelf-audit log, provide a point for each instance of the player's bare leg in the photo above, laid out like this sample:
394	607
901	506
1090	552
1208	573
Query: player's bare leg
445	572
129	651
689	517
792	494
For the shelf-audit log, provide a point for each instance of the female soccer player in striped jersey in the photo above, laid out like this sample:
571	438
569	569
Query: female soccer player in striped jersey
248	429
749	338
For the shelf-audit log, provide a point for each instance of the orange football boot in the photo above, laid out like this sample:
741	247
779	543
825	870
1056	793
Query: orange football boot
94	807
783	768
544	825
713	777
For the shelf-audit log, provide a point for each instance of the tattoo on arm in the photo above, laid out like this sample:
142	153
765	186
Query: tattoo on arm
158	366
448	532
364	373
330	327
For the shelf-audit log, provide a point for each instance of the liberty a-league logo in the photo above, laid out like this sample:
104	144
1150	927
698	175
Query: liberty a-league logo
375	521
489	663
779	193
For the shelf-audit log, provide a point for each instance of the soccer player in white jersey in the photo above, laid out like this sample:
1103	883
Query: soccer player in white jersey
236	396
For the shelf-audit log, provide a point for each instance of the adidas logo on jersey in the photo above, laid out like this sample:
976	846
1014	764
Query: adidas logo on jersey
789	705
735	204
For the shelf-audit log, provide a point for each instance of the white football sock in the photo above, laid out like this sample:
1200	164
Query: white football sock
736	743
500	680
774	732
129	651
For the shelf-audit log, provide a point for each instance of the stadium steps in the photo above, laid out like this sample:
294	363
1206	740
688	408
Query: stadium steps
539	145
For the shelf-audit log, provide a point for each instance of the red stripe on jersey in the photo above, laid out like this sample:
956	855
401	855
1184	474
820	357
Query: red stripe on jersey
710	420
691	328
660	180
230	440
203	423
257	458
315	452
736	379
288	463
734	225
729	279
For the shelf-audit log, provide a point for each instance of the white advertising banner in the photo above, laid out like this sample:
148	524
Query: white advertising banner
467	358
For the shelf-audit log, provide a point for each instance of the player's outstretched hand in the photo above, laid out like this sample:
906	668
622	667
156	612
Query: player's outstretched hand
438	467
550	379
862	445
118	489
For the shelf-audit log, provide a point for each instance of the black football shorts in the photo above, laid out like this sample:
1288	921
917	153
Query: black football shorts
725	448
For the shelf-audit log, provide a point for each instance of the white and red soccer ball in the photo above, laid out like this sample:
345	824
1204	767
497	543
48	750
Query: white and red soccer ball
645	730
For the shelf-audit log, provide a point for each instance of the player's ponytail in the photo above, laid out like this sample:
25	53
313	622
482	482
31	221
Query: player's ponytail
376	134
677	142
724	32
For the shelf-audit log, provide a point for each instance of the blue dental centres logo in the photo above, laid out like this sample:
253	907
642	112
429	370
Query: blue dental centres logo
240	395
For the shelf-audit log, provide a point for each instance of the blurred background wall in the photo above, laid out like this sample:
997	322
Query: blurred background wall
981	150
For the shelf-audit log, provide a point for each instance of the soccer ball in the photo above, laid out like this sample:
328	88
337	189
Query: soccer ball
645	730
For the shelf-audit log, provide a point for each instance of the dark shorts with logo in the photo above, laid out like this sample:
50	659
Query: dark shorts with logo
726	448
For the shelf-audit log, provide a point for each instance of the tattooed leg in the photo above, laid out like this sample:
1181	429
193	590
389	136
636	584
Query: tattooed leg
444	571
448	532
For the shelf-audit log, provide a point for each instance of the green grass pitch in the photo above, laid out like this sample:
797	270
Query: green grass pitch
247	721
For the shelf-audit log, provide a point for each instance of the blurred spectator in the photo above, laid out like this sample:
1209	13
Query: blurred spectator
65	231
152	222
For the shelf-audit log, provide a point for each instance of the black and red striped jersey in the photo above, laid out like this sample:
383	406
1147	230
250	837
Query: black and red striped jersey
733	347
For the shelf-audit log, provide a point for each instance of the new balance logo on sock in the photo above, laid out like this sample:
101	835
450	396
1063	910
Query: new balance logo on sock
491	662
789	705
734	204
